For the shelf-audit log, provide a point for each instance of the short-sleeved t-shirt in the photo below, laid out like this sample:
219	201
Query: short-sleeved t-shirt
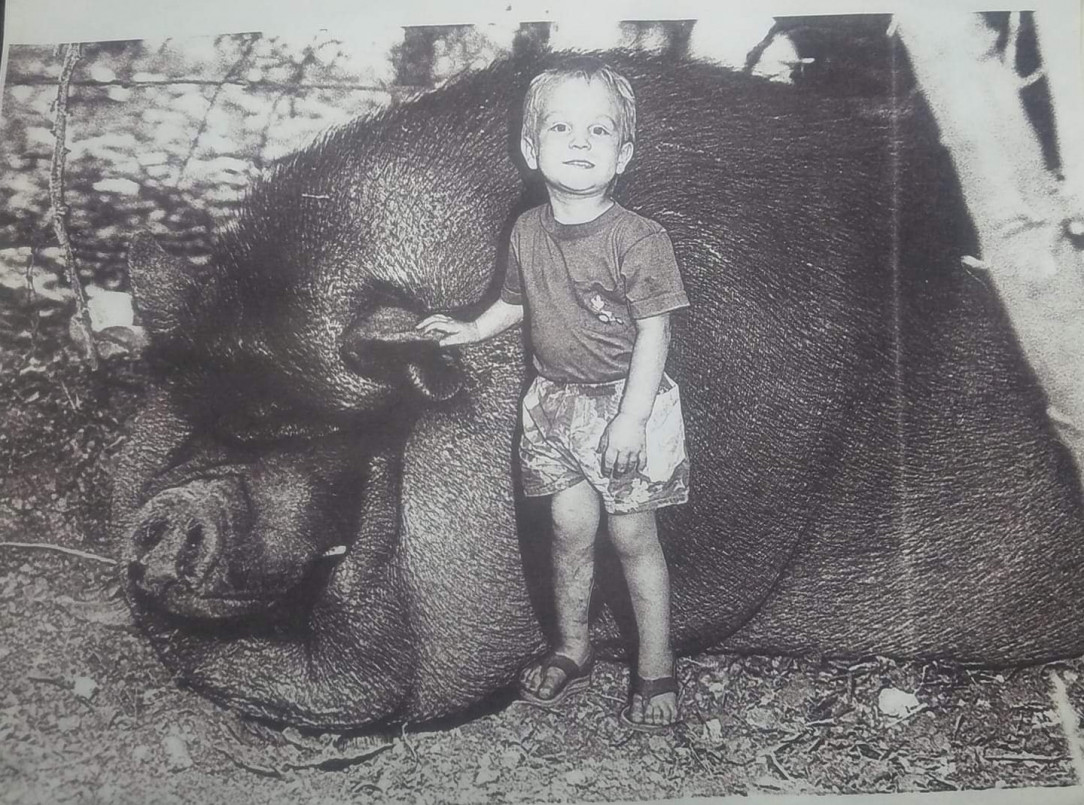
584	286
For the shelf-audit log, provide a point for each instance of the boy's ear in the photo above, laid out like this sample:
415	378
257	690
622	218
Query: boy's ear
624	156
530	153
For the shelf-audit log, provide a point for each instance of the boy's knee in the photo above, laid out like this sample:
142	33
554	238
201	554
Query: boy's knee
633	534
573	544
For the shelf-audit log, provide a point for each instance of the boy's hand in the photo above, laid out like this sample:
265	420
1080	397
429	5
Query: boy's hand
451	331
623	446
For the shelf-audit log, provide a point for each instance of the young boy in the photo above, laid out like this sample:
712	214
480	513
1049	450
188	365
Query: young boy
602	426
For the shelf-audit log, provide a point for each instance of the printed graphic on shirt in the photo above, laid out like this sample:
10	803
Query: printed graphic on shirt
603	304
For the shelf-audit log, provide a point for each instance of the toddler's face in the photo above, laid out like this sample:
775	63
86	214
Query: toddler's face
578	147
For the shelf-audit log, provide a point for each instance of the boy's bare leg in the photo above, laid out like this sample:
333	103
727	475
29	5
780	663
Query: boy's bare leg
575	512
636	540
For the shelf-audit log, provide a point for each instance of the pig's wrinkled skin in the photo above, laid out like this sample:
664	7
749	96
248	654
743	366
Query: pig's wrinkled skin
873	471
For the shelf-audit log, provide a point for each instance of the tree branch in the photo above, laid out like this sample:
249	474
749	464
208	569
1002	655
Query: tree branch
236	68
81	319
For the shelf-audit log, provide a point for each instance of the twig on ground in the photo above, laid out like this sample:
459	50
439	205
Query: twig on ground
774	762
942	781
551	757
691	661
920	709
255	768
48	680
1025	757
628	736
956	729
1070	724
288	736
45	546
409	746
69	762
700	760
71	402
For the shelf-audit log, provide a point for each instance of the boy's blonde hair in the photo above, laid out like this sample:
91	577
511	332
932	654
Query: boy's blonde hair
588	68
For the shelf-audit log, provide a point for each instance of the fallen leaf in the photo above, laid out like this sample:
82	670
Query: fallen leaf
579	778
108	715
896	703
68	723
486	773
84	687
761	717
713	731
177	757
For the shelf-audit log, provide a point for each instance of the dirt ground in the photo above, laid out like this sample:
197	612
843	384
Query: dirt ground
89	715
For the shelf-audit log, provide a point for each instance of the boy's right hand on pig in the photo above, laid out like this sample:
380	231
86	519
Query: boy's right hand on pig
451	331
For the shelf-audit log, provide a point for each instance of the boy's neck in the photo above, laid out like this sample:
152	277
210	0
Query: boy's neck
578	209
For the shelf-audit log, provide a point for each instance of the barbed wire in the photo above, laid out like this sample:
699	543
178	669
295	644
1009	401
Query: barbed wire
204	82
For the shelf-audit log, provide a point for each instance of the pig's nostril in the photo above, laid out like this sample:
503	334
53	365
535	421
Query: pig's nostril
192	551
150	534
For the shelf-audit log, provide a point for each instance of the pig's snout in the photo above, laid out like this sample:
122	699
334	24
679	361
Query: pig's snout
173	552
178	542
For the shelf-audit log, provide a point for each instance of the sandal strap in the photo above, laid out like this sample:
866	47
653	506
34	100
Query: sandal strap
567	665
648	689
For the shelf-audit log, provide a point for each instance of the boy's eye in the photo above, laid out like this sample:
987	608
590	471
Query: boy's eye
600	131
560	128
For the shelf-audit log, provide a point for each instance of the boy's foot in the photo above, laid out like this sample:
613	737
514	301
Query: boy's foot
542	687
653	704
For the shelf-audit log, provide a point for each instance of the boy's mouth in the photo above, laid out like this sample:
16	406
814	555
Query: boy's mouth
580	163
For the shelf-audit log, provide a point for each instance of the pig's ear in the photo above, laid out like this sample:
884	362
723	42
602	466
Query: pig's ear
164	287
384	346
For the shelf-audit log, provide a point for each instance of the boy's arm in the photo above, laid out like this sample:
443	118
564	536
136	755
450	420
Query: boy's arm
623	441
495	319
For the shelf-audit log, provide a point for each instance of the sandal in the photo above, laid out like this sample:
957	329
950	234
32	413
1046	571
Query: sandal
577	679
648	689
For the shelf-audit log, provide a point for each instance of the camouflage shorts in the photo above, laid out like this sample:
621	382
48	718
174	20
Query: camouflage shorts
562	426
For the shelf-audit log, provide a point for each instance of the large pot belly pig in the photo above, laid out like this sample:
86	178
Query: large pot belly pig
872	467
